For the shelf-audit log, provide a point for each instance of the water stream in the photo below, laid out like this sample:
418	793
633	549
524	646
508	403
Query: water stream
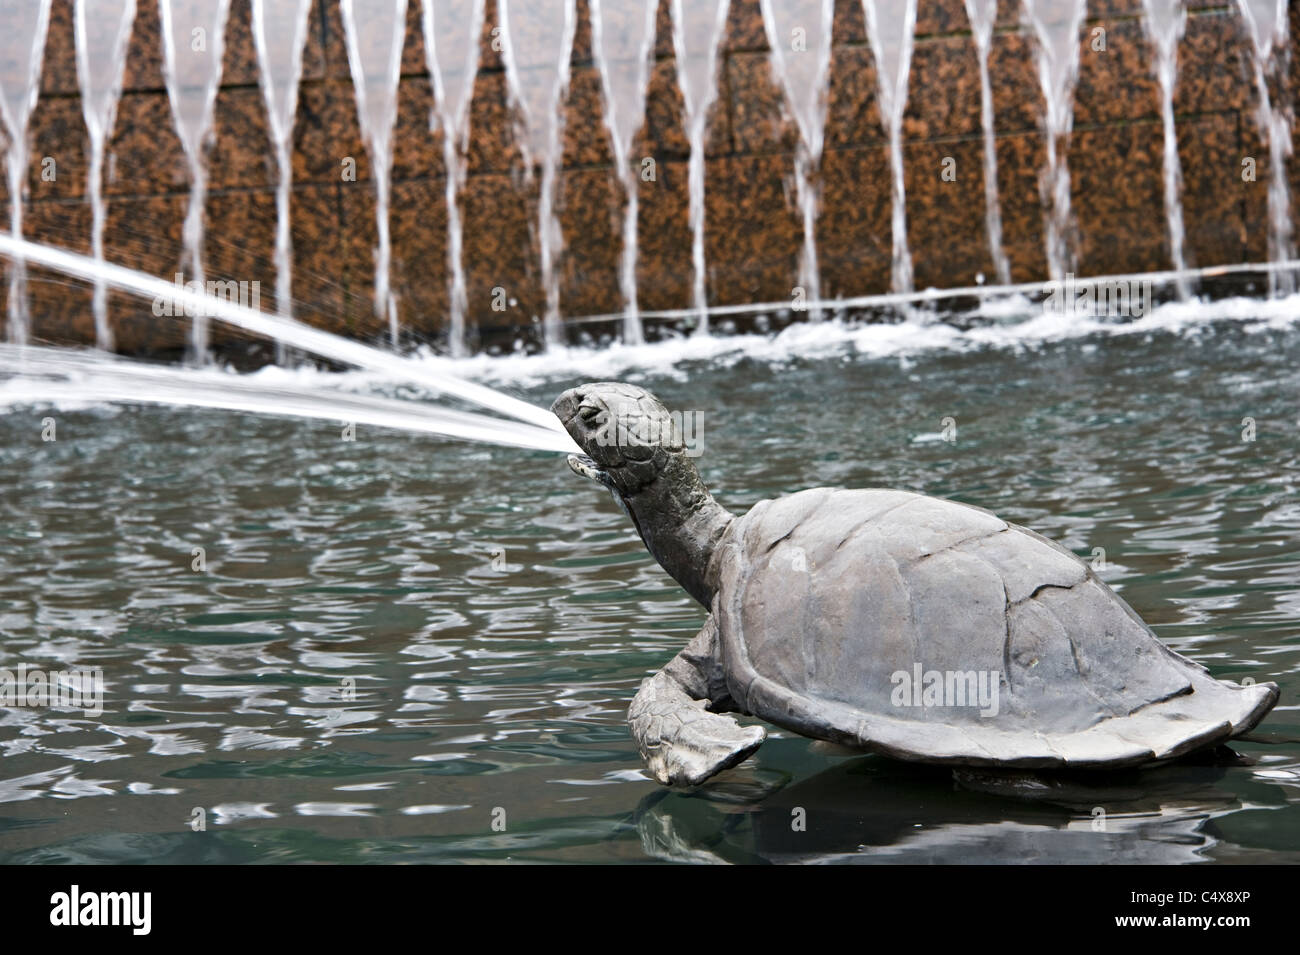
890	28
22	47
538	44
1165	22
451	38
698	26
537	49
622	38
103	31
799	34
1266	22
983	14
1055	25
39	376
193	42
283	329
375	32
280	34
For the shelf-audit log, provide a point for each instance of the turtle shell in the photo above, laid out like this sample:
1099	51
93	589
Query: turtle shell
934	631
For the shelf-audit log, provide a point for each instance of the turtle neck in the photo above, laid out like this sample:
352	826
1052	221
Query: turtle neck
680	523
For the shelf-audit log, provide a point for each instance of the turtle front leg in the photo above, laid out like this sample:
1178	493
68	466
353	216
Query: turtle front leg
681	741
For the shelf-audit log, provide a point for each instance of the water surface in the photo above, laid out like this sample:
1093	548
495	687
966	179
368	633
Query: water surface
398	641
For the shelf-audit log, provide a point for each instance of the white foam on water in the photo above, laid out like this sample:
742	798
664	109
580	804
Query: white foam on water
1011	324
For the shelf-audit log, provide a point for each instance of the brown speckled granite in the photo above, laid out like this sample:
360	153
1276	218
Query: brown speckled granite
586	141
854	244
664	274
145	156
753	230
591	217
852	110
938	209
419	224
1213	194
59	67
1017	98
760	121
754	235
61	310
1109	218
942	102
1020	157
57	133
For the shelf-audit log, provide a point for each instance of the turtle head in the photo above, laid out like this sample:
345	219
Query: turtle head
634	447
628	437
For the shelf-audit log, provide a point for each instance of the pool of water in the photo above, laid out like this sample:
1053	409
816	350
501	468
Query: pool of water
404	649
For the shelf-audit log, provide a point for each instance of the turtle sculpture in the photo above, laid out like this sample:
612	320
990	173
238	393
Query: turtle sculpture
887	621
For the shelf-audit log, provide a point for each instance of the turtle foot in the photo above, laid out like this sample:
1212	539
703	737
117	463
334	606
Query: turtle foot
681	742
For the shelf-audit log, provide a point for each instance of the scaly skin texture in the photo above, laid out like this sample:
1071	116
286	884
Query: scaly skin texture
681	741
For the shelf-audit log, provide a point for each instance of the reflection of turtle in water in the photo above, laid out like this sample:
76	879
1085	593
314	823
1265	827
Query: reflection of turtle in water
889	621
1151	815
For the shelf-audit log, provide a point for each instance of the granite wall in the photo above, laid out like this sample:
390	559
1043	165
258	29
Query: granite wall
753	235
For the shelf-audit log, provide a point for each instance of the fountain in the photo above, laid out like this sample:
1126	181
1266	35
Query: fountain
799	33
538	45
1055	25
451	35
280	33
622	38
698	26
35	375
1165	22
23	26
983	14
324	627
99	74
188	299
193	41
1266	22
375	32
890	26
536	41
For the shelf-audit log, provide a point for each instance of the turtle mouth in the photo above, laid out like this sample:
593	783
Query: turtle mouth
584	466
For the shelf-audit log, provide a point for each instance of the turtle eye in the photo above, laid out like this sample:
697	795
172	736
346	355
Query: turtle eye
589	414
